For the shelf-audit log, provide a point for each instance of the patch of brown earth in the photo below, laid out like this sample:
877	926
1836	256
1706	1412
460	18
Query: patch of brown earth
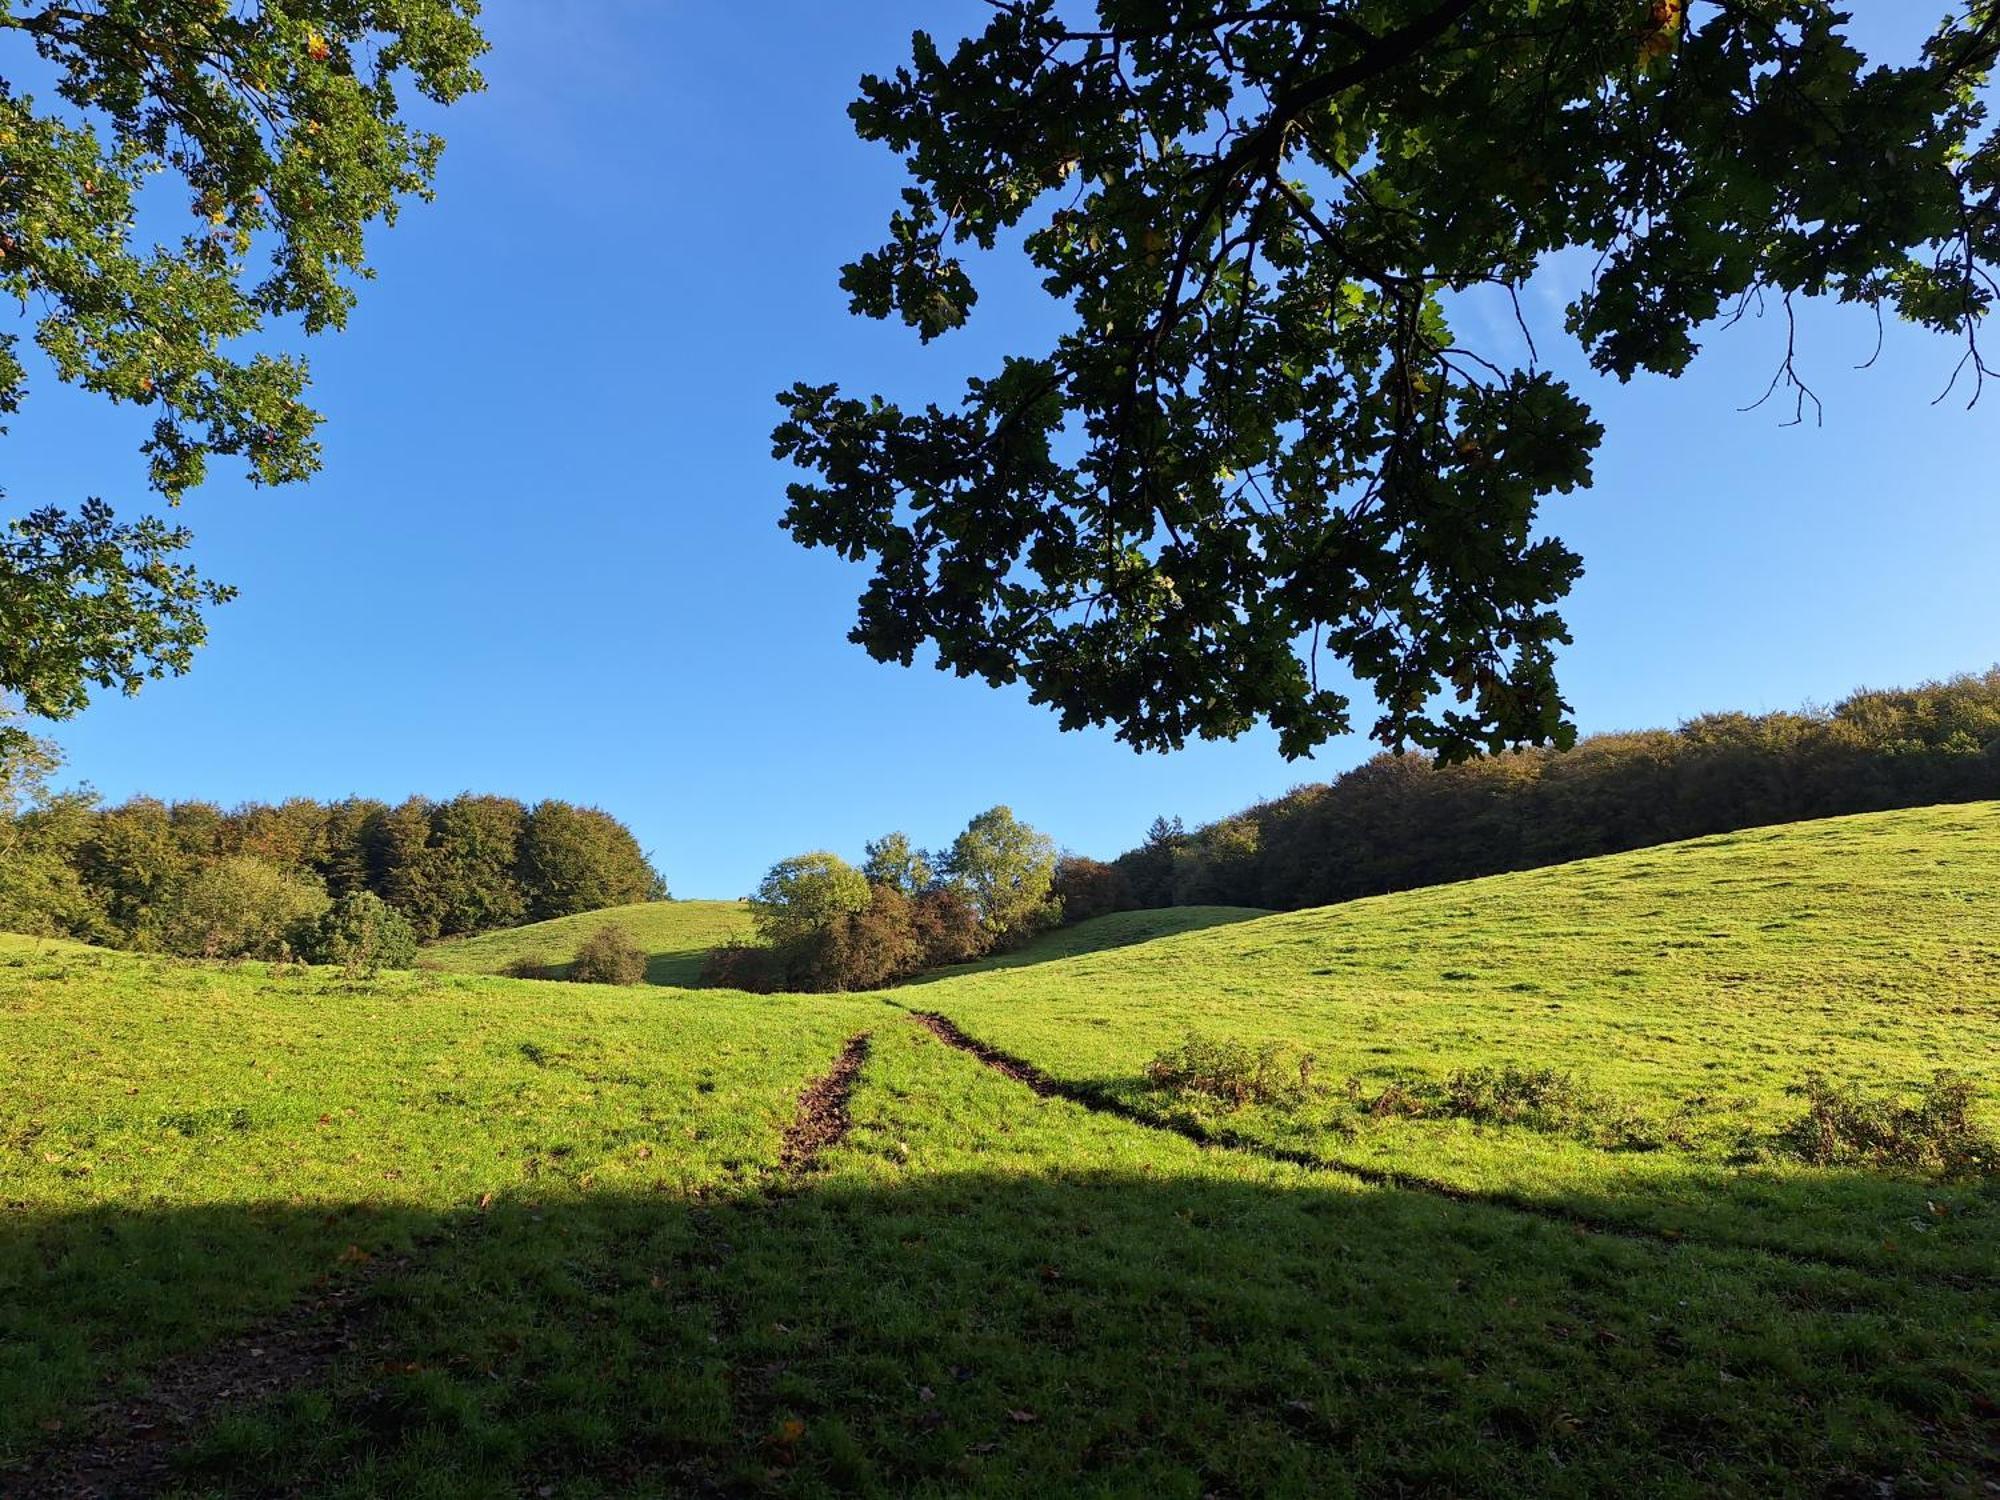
822	1117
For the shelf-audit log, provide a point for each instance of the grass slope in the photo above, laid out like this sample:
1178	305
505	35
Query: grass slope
1694	984
674	935
1102	934
580	1266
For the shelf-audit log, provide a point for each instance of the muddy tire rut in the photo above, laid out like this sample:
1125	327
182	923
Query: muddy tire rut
822	1119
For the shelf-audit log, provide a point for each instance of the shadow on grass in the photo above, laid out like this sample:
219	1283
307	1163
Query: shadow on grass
1885	1222
680	969
1114	1332
1102	935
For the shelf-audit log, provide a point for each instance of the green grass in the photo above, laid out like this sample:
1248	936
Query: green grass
1691	984
674	935
611	1286
1103	934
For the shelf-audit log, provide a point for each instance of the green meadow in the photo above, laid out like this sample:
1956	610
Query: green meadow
444	1234
674	935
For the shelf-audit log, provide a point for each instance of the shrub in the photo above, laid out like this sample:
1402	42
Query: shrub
608	956
739	965
533	964
1936	1134
1233	1074
361	932
863	950
947	929
239	907
1511	1095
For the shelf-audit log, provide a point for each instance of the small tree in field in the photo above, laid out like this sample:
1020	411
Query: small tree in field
361	932
238	907
1005	869
803	896
608	956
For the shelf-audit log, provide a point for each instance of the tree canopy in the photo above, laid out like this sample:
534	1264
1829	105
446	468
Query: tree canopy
1260	443
278	127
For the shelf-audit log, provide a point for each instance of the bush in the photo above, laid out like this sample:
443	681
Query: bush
533	964
238	907
1232	1074
608	956
742	966
863	950
361	932
1936	1134
1539	1097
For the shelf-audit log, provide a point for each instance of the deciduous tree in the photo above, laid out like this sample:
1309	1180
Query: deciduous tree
281	125
1260	441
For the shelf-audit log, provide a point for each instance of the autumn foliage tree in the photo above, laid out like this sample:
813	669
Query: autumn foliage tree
1259	442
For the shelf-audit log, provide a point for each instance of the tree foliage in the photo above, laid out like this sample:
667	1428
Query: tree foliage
893	860
801	897
576	859
1397	822
1004	869
467	864
279	125
1261	441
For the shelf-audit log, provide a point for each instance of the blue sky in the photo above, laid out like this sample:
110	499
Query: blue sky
543	558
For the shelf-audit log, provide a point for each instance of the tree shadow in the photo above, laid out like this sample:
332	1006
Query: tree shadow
1106	934
1890	1222
887	1330
677	969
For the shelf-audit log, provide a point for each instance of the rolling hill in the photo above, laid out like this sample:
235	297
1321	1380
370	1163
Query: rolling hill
1538	1223
674	935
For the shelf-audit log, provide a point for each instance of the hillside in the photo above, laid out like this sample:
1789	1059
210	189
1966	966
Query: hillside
1120	929
674	935
471	1235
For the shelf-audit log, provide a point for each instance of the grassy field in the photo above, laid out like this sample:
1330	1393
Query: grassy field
674	935
1101	935
551	1239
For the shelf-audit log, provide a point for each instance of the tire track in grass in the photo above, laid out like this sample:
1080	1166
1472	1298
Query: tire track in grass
125	1446
822	1121
1102	1101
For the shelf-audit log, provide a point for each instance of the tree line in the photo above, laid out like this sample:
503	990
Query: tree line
259	880
1397	822
823	924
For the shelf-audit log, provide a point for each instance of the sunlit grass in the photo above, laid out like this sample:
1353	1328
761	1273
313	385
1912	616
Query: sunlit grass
612	1287
674	935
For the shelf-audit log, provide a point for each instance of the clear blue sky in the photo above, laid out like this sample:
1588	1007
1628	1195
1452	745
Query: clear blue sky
543	559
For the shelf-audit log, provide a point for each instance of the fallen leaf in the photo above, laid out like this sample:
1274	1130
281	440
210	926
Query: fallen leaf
1022	1416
